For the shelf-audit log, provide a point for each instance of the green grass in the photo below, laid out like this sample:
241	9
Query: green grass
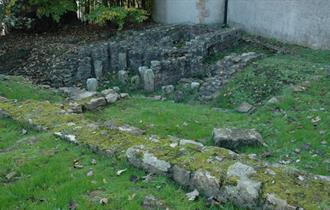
20	89
46	179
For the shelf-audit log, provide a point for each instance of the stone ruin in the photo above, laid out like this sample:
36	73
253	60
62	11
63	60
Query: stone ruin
172	52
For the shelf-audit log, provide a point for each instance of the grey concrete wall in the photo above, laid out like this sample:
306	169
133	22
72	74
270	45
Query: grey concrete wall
188	11
304	22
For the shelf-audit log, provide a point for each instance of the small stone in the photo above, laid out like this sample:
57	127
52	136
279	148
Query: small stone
24	132
116	89
150	202
157	98
95	103
123	77
103	201
195	85
192	195
108	91
131	130
323	142
124	95
245	108
90	173
75	108
11	175
179	96
92	84
168	89
298	88
93	162
112	98
273	100
297	151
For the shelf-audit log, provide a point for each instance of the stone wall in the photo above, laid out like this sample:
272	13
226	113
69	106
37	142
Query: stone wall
304	22
171	51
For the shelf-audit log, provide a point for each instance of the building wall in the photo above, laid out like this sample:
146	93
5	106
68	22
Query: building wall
304	22
188	11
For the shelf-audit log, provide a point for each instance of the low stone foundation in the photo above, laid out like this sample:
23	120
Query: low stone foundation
171	51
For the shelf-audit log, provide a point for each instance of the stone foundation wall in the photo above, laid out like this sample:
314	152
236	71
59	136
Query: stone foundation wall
172	52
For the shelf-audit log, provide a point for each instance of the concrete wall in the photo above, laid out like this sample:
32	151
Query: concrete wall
188	11
304	22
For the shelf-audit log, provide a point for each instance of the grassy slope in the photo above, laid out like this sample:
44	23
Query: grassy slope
286	127
46	179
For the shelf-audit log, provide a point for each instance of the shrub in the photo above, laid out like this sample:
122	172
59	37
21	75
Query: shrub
102	15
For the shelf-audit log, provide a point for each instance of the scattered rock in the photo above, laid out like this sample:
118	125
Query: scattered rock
93	162
273	100
181	175
103	201
92	84
191	142
168	89
116	89
90	173
112	98
298	88
124	95
123	77
236	138
24	132
192	195
245	108
205	183
11	175
131	130
75	108
108	91
95	103
67	137
150	202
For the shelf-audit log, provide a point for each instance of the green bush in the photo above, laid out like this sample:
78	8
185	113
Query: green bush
102	15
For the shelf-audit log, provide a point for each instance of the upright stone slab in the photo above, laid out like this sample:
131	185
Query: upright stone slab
98	69
123	77
84	70
92	84
148	78
122	60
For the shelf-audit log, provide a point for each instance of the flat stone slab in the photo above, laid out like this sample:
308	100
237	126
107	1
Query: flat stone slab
236	138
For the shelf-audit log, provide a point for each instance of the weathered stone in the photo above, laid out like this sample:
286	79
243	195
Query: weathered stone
246	192
142	159
131	130
273	100
148	79
178	96
245	108
236	138
273	202
84	70
124	95
108	91
95	103
168	89
98	69
75	107
122	60
191	142
92	84
135	82
195	85
150	202
204	182
181	175
123	77
77	93
112	98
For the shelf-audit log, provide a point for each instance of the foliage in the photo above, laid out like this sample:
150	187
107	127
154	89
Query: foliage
53	9
102	15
